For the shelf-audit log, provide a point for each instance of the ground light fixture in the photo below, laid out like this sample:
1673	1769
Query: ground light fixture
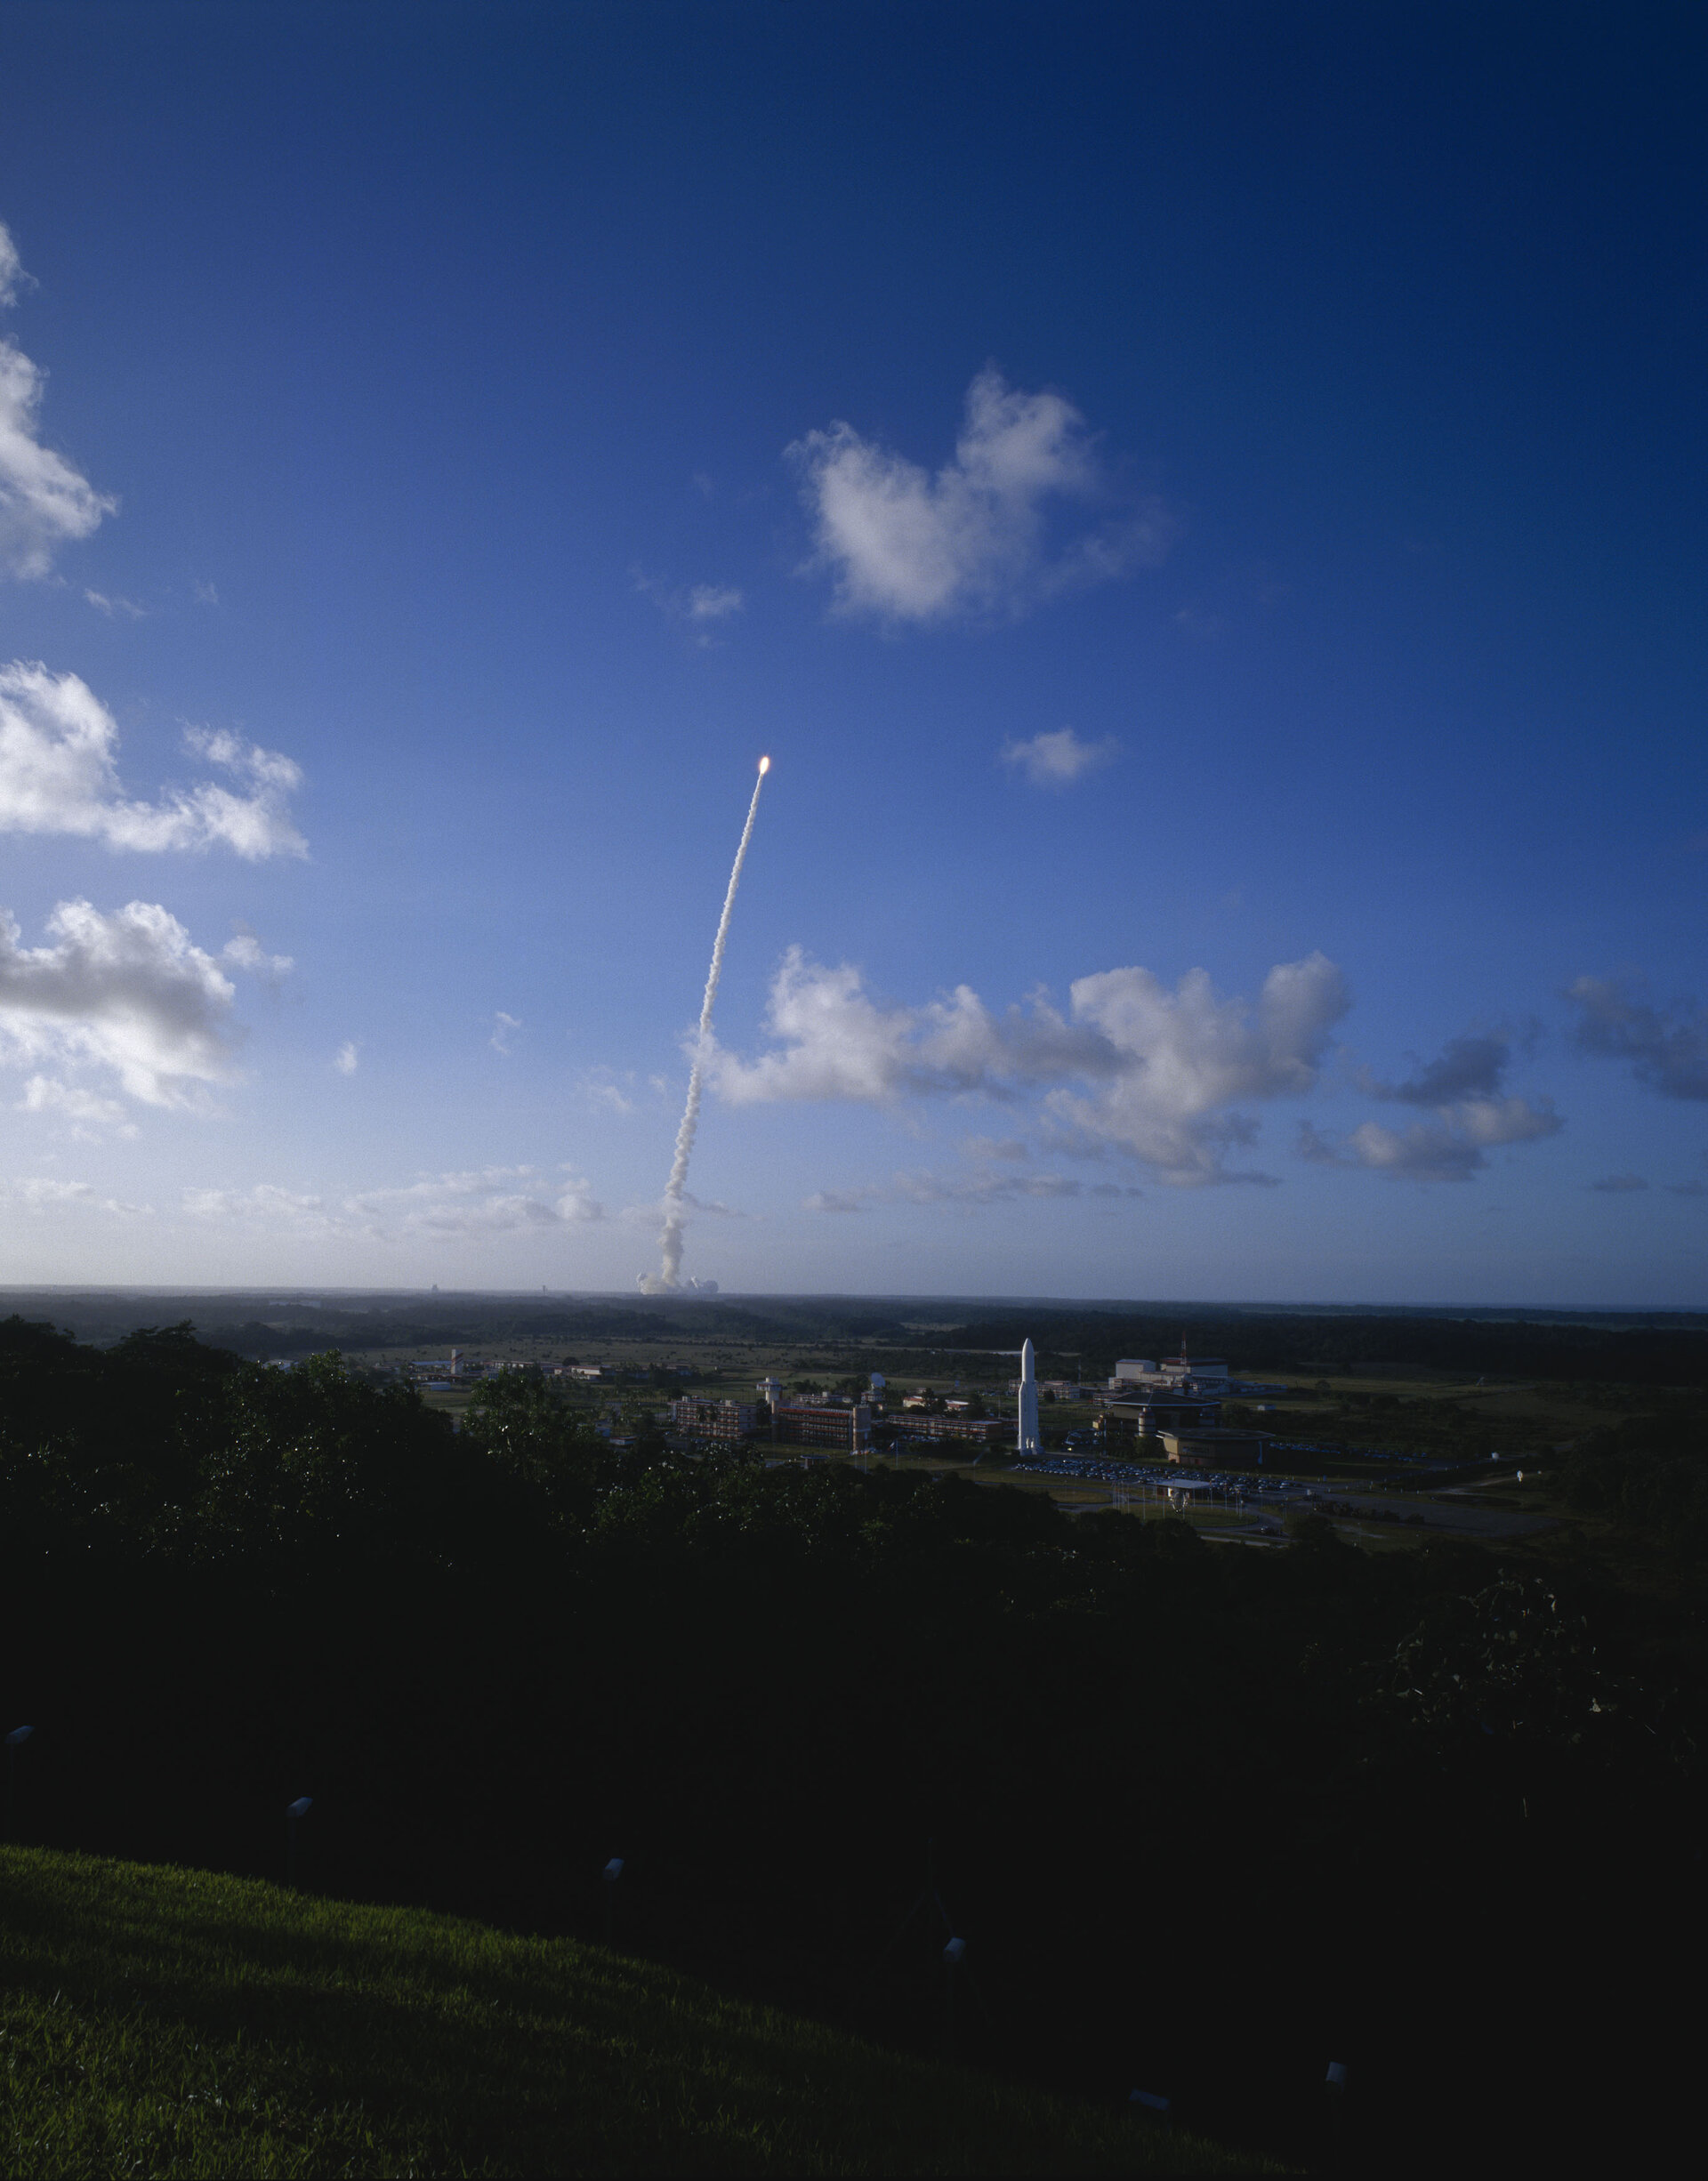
294	1814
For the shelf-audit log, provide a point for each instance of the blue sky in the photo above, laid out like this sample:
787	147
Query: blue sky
1203	505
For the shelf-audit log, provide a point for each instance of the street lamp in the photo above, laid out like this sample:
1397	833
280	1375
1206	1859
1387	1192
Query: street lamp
294	1815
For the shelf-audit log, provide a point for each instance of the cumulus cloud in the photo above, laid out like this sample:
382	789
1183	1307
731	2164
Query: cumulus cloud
483	1201
44	502
973	541
838	1043
1472	1113
39	1195
85	1111
1058	758
1667	1047
128	994
59	748
1473	1066
1188	1059
1137	1069
1452	1146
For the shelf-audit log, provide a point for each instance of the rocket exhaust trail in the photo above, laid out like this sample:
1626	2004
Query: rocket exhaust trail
670	1243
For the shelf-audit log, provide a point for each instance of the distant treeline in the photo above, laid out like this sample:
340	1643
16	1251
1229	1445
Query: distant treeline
1661	1348
1348	1345
1284	1344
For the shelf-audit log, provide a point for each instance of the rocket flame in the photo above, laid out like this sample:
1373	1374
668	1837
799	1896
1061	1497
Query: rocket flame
668	1278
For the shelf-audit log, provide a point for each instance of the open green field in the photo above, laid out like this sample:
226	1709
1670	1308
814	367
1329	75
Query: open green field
158	2021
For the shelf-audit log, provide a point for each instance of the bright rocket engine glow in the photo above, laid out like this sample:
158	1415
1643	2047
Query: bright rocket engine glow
669	1278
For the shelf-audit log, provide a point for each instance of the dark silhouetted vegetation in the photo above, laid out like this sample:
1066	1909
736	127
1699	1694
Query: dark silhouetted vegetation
1208	1817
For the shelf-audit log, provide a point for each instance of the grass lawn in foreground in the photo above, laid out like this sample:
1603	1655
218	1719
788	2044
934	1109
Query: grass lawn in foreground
162	2021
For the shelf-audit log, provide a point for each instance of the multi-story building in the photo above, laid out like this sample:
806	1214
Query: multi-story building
797	1423
992	1431
1147	1413
1182	1374
723	1421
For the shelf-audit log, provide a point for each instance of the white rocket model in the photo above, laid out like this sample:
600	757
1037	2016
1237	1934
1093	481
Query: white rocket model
1028	1441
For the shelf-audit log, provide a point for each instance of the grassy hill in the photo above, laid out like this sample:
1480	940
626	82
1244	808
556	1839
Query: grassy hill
163	2021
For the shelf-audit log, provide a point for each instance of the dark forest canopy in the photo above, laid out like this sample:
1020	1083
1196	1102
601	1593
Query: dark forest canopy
1644	1348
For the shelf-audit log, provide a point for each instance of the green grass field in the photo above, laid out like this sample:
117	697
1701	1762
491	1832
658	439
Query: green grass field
157	2021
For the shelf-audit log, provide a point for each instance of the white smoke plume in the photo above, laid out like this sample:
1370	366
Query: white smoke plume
668	1279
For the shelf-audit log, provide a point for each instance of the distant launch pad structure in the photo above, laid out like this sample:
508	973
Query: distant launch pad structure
668	1279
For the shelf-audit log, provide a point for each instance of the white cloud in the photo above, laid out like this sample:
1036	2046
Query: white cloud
114	607
505	1027
346	1060
713	601
1452	1146
246	953
486	1200
838	1043
12	275
620	1092
86	1112
127	992
203	594
59	775
265	1204
698	608
1137	1069
974	540
493	1200
41	1195
1058	758
1187	1059
44	500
